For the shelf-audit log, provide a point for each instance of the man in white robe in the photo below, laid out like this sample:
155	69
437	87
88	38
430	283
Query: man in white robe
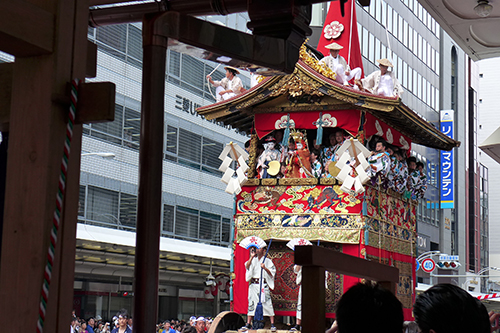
229	86
383	82
254	266
338	65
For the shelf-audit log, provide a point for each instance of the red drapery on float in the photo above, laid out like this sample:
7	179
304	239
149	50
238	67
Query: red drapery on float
349	120
374	126
285	293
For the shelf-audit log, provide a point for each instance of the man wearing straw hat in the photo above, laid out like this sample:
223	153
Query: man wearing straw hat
338	64
383	82
229	86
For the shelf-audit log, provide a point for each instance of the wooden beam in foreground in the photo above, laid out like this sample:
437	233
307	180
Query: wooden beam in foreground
26	29
314	261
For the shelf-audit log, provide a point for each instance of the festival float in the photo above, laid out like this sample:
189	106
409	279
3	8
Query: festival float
345	211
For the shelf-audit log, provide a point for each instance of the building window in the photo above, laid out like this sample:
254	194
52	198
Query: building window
118	210
81	201
123	131
128	210
168	219
132	128
193	150
190	224
102	207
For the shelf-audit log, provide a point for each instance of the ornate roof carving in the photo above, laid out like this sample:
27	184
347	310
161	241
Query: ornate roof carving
312	86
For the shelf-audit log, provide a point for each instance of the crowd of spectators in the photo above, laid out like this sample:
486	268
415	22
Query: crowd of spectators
193	325
122	322
443	308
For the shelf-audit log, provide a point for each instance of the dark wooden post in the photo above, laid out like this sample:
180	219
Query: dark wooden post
313	298
49	40
147	248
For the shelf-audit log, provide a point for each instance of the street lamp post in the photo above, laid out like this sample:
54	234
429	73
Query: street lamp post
427	255
485	269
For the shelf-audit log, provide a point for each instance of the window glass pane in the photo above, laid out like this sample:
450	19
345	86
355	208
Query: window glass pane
186	223
405	33
113	40
436	96
377	10
410	79
383	19
174	63
377	49
419	86
395	15
81	201
210	154
428	87
210	230
132	128
102	206
400	69
424	90
415	82
420	46
405	75
128	210
171	141
410	38
360	34
431	96
424	52
437	62
189	147
372	9
110	131
91	33
389	18
168	218
429	58
400	28
365	42
192	72
134	45
226	227
371	48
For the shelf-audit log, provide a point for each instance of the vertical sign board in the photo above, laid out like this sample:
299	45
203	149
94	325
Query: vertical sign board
447	185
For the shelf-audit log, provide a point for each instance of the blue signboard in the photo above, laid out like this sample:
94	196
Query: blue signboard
446	184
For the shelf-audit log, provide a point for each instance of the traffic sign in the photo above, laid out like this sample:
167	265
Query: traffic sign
417	265
428	265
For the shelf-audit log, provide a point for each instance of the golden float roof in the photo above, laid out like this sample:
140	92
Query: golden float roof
312	87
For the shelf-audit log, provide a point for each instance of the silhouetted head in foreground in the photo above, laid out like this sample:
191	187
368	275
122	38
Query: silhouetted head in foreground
446	308
369	308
